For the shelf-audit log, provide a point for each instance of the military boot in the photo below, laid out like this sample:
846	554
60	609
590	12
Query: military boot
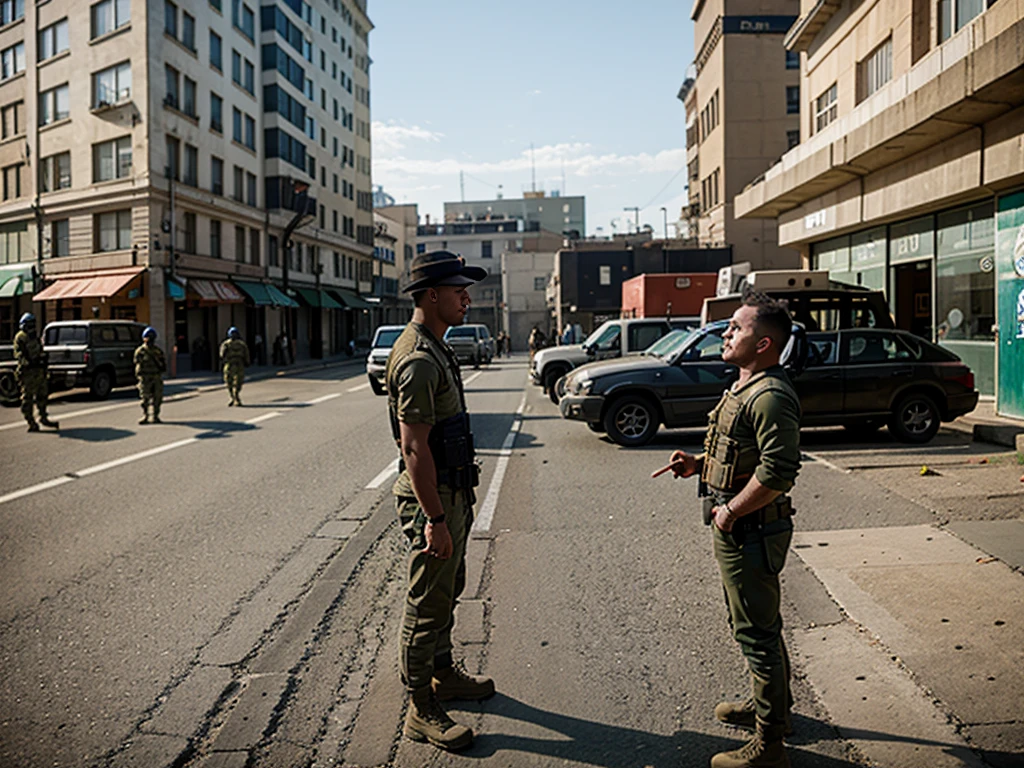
156	418
427	721
32	426
145	418
765	750
45	421
742	715
455	683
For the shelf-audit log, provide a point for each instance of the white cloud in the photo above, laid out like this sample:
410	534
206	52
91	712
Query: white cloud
534	92
390	139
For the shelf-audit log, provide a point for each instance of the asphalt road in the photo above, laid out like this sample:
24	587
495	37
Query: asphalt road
225	589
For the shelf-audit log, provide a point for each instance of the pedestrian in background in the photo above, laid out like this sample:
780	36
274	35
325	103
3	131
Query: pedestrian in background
150	365
434	494
751	459
536	341
260	354
234	357
31	373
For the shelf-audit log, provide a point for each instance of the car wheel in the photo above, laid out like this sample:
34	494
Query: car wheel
10	393
596	426
551	379
864	428
915	419
102	384
376	386
631	421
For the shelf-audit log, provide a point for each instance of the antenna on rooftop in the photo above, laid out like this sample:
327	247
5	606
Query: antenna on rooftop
533	171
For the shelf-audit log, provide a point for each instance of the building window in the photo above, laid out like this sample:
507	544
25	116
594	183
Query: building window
337	264
236	124
604	275
875	71
216	51
55	172
188	105
216	113
826	108
792	60
792	139
108	15
486	249
243	18
60	238
12	61
250	133
173	168
236	67
190	233
113	230
216	176
12	181
191	166
250	189
792	99
239	174
215	247
188	31
254	246
249	77
171	19
112	86
540	283
13	119
965	293
54	105
954	15
53	40
272	251
11	10
171	76
112	159
240	244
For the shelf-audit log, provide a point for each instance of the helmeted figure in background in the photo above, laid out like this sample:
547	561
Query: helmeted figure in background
150	365
434	494
31	373
234	357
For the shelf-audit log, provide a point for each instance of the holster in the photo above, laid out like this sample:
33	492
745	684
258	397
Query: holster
451	445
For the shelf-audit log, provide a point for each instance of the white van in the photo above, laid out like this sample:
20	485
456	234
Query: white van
383	340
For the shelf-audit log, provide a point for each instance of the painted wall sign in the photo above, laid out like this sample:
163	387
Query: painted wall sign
757	25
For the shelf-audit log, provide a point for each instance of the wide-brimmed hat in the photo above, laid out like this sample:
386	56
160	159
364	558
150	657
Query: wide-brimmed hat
429	270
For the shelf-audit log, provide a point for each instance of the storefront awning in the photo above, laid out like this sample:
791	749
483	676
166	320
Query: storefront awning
215	291
279	298
175	290
80	285
257	292
318	299
15	279
351	299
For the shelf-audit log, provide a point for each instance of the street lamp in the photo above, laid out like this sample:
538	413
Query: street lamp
664	215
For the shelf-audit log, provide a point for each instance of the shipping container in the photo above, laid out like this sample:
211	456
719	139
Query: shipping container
679	294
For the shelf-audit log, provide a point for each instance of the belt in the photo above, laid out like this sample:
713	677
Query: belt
770	513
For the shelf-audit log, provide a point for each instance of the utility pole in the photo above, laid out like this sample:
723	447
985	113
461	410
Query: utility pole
636	211
664	215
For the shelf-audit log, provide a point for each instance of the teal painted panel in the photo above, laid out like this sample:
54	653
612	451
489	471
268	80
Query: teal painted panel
980	356
1010	303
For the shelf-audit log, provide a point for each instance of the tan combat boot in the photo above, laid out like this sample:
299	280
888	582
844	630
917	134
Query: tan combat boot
455	683
765	750
427	721
742	714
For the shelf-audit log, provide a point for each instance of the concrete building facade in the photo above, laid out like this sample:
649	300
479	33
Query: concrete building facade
397	224
524	282
741	99
151	151
910	171
562	215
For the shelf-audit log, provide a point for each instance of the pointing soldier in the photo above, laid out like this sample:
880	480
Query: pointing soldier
31	373
434	494
750	461
150	365
234	355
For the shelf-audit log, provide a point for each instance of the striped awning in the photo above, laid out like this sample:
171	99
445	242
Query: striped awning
215	291
80	285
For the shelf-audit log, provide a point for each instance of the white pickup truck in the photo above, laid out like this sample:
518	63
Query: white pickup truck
614	338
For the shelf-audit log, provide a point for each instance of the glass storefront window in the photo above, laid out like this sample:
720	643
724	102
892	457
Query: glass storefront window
965	275
912	240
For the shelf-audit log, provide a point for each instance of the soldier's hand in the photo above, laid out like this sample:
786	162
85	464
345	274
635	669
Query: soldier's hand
683	464
439	540
723	518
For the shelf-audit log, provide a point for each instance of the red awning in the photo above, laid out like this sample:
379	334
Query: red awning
215	291
80	285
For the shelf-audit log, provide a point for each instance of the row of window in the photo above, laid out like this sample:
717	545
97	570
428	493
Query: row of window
874	71
709	190
709	116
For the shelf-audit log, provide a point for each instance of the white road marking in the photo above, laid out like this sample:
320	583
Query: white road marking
385	473
264	417
35	489
360	387
134	457
100	409
472	378
486	515
325	398
826	462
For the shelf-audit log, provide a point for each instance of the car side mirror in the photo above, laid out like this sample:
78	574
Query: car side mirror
588	350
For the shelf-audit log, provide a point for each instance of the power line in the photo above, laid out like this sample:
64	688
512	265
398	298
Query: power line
667	185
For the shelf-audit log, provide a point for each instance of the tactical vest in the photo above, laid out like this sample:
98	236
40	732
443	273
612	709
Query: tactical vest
729	462
28	350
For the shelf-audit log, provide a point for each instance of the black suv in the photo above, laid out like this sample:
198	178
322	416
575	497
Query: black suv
97	354
861	378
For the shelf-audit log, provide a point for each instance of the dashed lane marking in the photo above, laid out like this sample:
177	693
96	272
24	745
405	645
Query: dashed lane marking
35	488
360	387
134	457
486	515
103	409
472	378
385	474
324	399
826	462
264	417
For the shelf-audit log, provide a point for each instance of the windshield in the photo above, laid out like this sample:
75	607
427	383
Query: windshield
461	331
702	344
668	344
385	338
592	338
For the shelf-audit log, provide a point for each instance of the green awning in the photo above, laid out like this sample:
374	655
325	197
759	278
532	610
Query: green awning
351	299
175	290
257	292
14	280
279	298
318	299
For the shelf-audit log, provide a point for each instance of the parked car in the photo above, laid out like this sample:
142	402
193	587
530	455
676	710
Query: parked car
97	354
471	343
860	378
10	393
383	340
613	338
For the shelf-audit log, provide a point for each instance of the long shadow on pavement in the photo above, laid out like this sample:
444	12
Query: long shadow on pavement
95	434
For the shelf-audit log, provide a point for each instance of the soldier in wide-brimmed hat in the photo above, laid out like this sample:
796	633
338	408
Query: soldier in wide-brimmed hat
434	493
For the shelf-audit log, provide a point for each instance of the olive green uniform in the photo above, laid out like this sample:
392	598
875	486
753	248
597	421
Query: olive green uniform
31	375
234	355
755	431
424	387
149	367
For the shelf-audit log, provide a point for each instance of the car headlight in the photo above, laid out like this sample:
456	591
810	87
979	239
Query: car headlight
582	385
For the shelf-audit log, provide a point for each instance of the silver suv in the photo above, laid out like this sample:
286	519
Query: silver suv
471	343
383	340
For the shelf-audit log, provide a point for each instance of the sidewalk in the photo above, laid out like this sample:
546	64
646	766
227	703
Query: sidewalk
205	380
988	427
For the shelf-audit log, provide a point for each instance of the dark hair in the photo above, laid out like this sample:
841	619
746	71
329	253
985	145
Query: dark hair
772	319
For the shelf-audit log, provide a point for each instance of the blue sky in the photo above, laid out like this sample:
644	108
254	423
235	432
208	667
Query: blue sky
468	85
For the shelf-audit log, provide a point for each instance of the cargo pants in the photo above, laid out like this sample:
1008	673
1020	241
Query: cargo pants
434	587
33	393
750	561
151	390
234	376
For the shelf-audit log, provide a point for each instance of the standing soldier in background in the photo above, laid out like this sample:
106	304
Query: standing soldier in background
150	365
31	373
234	356
434	494
751	458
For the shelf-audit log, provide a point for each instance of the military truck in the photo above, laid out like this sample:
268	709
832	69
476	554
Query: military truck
9	394
97	354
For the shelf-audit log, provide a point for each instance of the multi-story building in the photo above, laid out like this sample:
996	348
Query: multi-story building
742	101
910	172
152	150
397	223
